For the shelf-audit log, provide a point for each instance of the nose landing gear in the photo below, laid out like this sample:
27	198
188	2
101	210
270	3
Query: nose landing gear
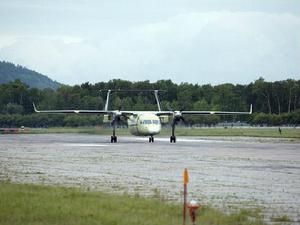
151	139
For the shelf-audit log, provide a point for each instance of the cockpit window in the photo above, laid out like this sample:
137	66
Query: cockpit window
155	121
149	122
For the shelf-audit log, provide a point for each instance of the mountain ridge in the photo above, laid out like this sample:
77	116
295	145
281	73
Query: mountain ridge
10	72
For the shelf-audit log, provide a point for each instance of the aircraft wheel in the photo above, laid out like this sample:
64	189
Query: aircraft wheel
113	139
172	139
151	139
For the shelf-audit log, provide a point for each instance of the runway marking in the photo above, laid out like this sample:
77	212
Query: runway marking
87	145
187	140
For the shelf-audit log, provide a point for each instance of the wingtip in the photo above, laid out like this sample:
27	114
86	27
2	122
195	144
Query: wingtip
34	107
250	109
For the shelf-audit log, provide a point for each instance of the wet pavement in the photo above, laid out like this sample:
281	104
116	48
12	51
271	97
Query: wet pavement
225	172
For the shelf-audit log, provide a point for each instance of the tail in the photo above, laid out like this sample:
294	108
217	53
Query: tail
107	100
155	94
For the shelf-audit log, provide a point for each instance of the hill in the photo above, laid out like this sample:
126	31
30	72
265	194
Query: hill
10	72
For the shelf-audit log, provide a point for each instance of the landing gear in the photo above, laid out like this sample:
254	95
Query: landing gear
113	139
173	139
151	139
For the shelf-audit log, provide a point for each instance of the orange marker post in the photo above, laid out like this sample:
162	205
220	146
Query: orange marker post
185	182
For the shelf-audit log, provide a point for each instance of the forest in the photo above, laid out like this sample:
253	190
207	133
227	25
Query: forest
274	103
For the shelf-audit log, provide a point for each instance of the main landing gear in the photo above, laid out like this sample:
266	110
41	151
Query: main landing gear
113	138
174	122
151	139
173	139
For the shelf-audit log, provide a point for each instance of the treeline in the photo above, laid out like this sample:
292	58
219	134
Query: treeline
274	103
42	120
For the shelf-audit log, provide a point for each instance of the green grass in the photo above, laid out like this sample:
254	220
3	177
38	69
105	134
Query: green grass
35	204
283	218
246	132
181	131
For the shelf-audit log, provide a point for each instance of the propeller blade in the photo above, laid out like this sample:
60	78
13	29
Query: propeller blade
169	107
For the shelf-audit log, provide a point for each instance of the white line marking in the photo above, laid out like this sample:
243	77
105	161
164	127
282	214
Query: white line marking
179	139
85	145
188	140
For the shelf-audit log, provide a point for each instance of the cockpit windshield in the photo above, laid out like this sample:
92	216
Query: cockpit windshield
149	122
155	121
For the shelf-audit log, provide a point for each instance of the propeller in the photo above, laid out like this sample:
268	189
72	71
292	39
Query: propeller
169	107
116	118
177	115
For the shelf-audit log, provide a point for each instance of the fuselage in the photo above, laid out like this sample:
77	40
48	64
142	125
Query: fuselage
144	124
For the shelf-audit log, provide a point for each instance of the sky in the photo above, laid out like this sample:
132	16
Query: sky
194	41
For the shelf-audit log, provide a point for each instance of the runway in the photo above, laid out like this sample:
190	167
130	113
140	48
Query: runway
224	172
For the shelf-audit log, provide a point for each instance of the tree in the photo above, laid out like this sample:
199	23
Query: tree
263	89
279	94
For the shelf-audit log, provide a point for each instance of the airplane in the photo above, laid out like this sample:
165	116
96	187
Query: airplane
142	123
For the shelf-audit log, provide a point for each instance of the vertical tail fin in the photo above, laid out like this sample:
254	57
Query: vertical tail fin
107	100
157	100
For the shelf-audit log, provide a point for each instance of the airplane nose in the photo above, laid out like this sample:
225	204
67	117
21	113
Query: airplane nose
154	129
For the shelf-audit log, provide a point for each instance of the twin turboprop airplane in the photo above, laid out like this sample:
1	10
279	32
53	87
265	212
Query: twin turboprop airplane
142	123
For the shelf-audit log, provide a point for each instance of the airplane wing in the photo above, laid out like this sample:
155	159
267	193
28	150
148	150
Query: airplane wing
182	113
71	111
84	111
129	113
216	112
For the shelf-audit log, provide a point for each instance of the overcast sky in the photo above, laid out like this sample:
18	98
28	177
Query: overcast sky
200	41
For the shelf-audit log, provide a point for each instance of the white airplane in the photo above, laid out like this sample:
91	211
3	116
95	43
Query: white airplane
142	123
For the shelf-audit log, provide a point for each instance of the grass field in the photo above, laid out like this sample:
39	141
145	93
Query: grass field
22	204
247	132
181	131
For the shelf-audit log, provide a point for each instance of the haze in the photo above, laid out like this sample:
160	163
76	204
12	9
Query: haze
206	41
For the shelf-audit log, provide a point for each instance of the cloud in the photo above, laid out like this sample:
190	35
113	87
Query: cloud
206	47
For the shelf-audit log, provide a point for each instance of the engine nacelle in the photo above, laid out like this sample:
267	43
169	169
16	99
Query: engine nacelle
164	119
177	114
107	118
